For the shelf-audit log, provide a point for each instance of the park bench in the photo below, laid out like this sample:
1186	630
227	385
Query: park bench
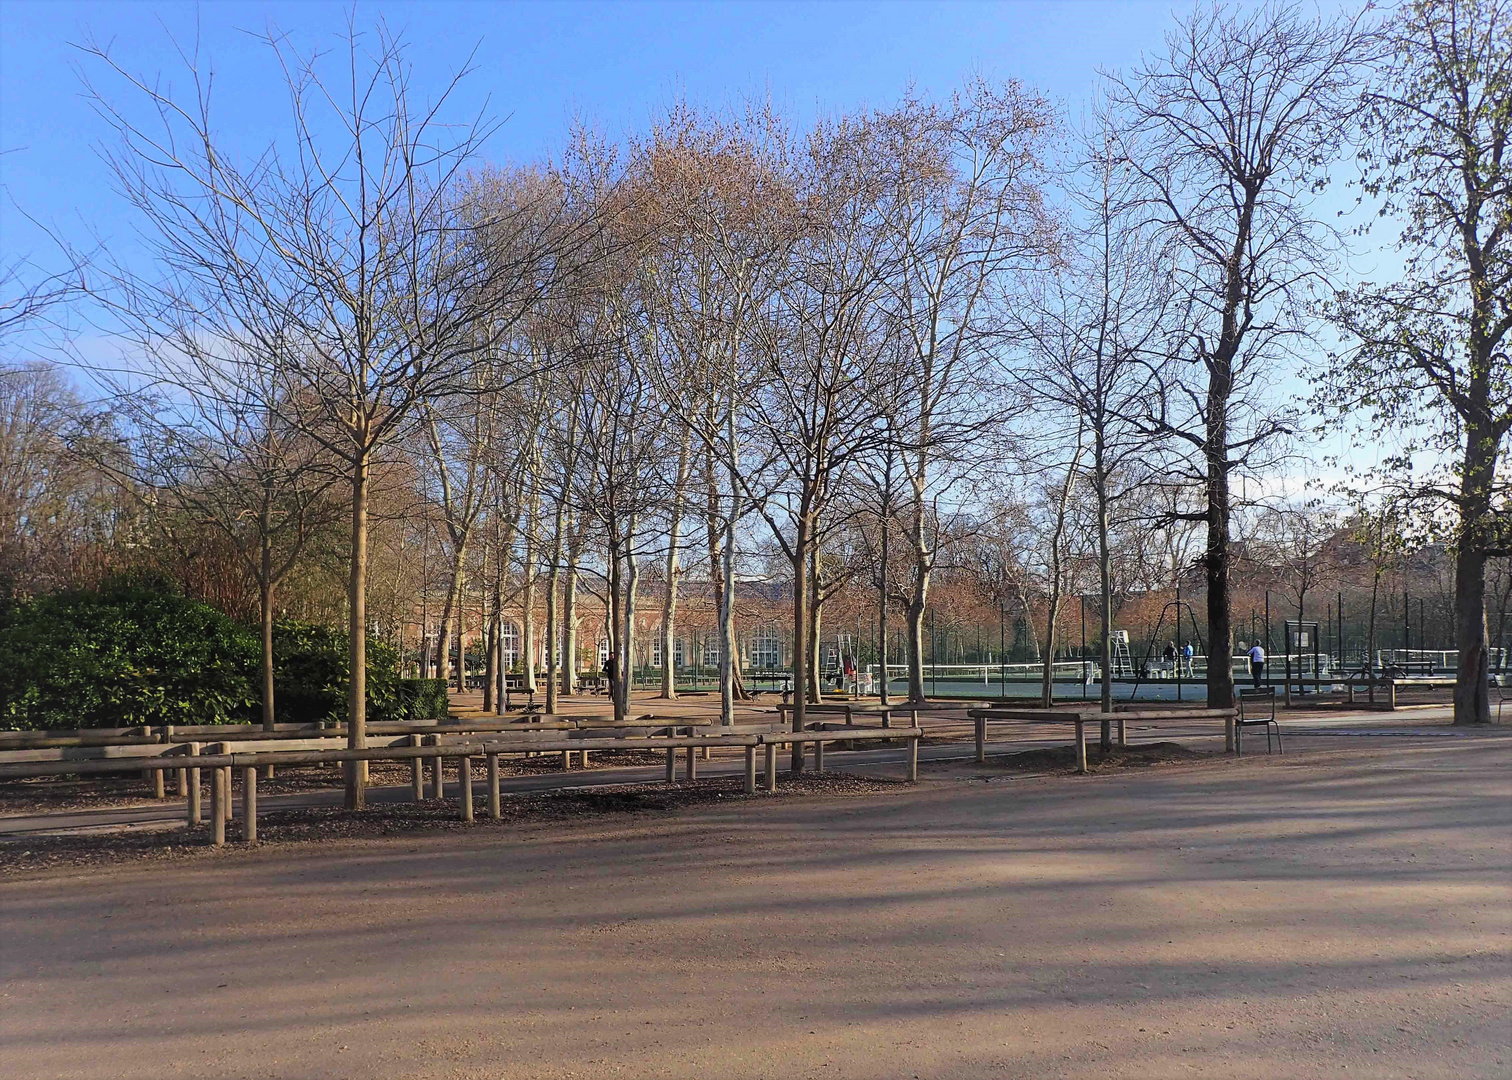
786	711
1257	699
1080	718
818	739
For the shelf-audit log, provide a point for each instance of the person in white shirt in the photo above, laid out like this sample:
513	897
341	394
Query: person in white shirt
1257	664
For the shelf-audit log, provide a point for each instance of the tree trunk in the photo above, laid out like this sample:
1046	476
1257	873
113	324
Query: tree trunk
265	611
1220	673
527	603
882	615
570	618
450	618
627	638
1472	694
816	602
553	620
491	664
799	562
674	537
914	614
1105	581
357	636
731	687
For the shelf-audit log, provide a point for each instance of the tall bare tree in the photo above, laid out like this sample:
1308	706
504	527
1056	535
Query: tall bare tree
405	280
1229	129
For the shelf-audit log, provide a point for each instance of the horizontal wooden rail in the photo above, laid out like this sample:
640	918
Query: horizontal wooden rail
224	761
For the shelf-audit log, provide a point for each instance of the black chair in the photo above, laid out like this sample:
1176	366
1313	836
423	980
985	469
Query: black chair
1257	698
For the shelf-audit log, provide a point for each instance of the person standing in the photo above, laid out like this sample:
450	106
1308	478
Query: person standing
1186	658
611	673
1257	664
1170	660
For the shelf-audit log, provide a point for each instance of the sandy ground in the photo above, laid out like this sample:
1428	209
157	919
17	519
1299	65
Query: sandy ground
1342	912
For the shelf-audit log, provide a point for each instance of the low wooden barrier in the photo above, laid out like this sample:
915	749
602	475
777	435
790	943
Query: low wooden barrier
222	759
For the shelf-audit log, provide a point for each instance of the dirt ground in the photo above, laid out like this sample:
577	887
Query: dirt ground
1340	912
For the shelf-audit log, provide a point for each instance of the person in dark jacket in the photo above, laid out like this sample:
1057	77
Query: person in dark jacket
611	673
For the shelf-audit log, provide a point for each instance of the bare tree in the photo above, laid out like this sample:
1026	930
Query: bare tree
1092	326
1429	357
965	208
1229	129
404	280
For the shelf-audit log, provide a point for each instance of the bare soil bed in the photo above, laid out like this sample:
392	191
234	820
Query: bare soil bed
1062	759
313	825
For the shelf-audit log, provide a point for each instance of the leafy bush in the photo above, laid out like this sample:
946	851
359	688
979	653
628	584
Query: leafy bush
310	671
133	653
420	699
137	652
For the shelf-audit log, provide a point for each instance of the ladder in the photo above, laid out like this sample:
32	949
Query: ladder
1123	663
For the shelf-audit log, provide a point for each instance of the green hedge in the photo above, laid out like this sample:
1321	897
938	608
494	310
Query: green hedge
136	653
420	699
310	668
129	654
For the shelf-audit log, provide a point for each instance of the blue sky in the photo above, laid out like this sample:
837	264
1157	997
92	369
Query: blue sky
537	66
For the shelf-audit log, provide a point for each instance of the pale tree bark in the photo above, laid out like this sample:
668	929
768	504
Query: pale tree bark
1057	574
674	572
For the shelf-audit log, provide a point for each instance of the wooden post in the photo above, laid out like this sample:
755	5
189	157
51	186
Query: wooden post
225	748
771	766
750	770
1230	735
181	774
1123	732
583	758
249	805
464	777
438	776
218	801
819	756
195	814
417	771
692	763
147	774
1081	743
981	739
1391	694
494	810
566	760
671	766
887	718
157	784
913	759
705	750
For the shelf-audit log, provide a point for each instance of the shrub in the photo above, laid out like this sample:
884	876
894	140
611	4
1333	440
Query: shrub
310	672
138	652
133	653
420	699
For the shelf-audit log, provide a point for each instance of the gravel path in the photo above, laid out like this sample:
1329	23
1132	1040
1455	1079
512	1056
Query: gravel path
1323	914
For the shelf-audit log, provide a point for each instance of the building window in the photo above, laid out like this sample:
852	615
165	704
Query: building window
766	649
509	645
